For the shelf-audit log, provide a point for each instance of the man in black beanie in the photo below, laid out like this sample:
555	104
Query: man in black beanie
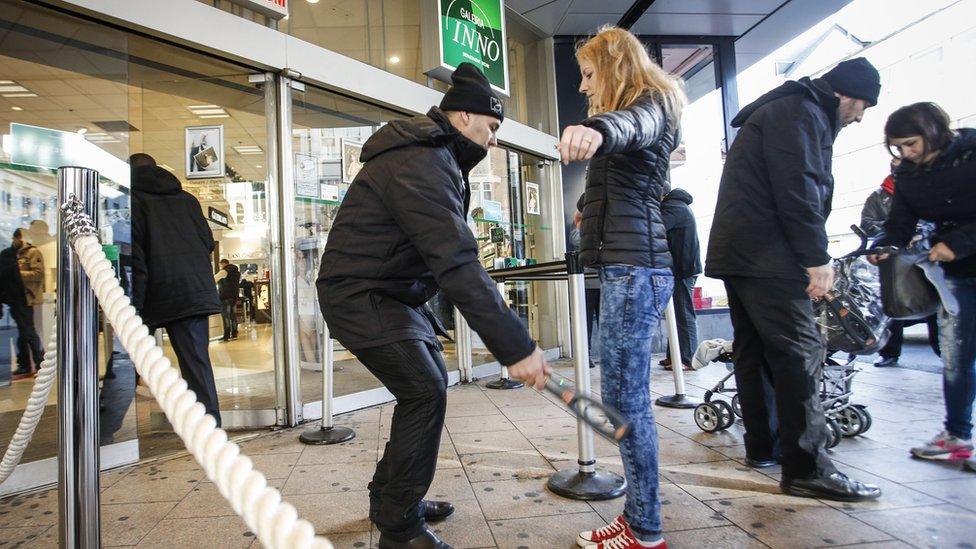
399	237
768	244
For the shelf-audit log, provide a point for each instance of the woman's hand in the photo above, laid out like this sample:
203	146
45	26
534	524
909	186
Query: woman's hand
578	143
941	252
874	259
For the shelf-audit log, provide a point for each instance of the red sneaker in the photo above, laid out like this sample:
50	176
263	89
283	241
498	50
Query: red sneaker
623	539
612	530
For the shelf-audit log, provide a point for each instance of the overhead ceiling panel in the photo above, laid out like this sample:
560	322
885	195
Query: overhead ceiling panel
587	23
601	6
549	16
695	24
761	7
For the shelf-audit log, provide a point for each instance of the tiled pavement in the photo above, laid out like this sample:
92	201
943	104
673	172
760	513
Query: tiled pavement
499	447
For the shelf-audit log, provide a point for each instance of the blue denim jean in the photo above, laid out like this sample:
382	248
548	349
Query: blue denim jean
957	339
632	301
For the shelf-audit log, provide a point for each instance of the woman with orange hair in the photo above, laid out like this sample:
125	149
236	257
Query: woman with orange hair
634	109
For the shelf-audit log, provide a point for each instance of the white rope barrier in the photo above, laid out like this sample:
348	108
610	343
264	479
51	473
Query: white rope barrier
273	521
33	411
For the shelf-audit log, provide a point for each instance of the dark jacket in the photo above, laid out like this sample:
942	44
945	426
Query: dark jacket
679	221
12	290
776	187
229	287
171	247
943	193
400	234
625	182
875	212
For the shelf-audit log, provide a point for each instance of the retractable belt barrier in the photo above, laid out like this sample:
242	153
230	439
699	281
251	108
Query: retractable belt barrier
274	522
587	482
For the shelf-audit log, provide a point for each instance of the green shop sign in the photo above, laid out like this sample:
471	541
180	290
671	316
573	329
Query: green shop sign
470	31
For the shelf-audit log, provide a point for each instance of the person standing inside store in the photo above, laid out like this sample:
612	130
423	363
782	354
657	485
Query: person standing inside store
634	113
22	279
679	221
172	284
591	284
936	183
768	244
228	279
399	236
873	216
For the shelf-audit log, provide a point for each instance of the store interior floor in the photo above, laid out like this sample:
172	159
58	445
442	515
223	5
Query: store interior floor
499	447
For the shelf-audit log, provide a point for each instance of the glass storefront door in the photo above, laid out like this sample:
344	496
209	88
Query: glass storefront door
77	93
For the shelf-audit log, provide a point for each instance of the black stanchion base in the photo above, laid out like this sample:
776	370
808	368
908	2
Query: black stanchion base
323	435
677	401
505	384
595	486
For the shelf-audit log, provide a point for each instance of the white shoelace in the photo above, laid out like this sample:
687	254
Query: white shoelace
610	530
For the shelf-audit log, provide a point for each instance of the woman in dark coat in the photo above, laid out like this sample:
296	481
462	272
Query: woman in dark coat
936	182
628	138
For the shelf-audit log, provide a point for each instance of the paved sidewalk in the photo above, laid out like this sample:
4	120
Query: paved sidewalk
499	447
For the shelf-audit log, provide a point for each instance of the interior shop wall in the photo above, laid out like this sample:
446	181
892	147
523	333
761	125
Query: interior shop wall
571	107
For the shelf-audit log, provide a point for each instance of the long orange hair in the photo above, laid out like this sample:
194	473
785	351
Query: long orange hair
625	72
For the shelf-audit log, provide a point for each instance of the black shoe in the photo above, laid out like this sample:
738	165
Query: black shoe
836	486
426	540
22	371
887	362
436	510
761	463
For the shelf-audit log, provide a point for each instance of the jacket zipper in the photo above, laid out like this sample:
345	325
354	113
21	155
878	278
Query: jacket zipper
603	214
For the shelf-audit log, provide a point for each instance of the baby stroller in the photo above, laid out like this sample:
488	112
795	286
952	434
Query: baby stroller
851	321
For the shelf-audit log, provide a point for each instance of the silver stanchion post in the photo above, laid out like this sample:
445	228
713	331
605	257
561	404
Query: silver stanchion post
327	433
505	381
462	346
586	482
78	494
679	399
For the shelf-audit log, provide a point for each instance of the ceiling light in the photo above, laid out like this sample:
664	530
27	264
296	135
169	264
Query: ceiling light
82	130
394	59
10	88
312	1
225	115
28	94
248	149
258	166
208	111
17	108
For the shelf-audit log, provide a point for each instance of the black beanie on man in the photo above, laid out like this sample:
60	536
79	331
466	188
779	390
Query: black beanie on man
855	78
471	92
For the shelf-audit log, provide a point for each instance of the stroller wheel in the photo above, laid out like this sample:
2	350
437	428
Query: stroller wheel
736	407
834	433
725	412
851	421
866	423
708	417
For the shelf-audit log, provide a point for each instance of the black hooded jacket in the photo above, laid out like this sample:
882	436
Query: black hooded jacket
777	186
679	221
943	193
401	234
625	182
171	247
230	286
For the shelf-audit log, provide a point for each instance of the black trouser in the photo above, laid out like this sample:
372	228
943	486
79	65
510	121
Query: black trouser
28	342
190	338
685	318
892	349
592	312
228	313
776	336
415	373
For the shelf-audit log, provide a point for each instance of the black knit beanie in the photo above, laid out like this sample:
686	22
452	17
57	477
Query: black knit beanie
855	78
471	92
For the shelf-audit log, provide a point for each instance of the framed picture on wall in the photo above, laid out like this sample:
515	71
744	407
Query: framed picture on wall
204	152
351	149
532	199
